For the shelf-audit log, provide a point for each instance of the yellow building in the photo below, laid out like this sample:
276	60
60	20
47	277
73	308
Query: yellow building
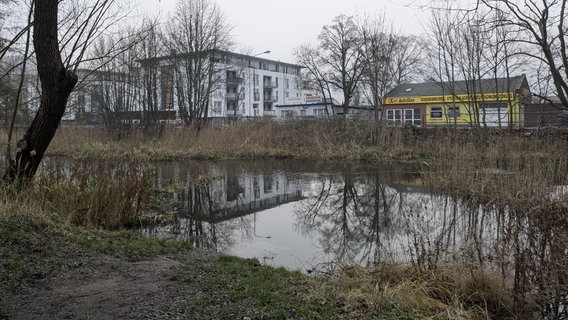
483	103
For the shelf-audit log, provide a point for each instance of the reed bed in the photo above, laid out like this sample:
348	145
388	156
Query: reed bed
314	139
101	195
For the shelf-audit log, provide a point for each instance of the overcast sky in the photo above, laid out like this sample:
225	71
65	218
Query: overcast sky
282	25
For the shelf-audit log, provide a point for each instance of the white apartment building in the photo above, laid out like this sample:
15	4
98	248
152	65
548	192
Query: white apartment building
245	85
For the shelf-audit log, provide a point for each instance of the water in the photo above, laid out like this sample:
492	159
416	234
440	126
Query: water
287	213
315	216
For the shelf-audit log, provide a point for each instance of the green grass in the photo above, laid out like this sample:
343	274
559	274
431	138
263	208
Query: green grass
248	289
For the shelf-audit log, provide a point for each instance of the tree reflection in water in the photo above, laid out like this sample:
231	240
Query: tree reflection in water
352	216
372	216
368	222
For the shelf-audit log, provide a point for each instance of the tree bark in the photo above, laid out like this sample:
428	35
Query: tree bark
56	86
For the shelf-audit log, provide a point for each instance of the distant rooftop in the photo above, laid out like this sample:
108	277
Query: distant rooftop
217	52
458	87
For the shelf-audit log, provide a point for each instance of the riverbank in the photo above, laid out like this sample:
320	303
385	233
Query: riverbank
58	247
62	259
53	271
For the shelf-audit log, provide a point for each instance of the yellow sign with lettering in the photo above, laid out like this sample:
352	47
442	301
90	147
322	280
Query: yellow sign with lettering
506	96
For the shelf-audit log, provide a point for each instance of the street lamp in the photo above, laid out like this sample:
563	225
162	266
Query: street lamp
264	52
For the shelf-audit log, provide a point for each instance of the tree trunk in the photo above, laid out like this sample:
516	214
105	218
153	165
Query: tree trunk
56	86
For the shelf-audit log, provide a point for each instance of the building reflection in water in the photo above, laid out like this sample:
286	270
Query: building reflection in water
304	215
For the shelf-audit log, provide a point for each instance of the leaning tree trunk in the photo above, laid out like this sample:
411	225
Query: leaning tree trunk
56	86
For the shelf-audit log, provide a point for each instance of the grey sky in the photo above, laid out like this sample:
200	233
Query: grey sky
282	25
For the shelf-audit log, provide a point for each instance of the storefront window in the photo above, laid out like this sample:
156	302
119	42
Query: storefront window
436	112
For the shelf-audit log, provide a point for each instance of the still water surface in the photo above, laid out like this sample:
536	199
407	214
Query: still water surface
314	216
300	214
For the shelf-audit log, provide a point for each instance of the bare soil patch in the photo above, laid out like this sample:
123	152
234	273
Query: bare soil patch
101	287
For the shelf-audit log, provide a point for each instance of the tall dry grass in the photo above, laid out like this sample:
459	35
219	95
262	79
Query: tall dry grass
404	292
96	195
323	139
516	184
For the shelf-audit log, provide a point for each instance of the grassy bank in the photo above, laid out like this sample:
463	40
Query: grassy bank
37	246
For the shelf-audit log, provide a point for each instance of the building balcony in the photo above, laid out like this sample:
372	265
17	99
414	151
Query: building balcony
234	81
234	113
270	99
234	96
270	85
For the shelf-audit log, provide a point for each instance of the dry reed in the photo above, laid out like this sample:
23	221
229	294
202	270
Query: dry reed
109	196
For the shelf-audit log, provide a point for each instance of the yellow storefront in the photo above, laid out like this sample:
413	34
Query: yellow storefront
400	108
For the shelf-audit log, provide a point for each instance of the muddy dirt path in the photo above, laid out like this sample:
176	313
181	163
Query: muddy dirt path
102	287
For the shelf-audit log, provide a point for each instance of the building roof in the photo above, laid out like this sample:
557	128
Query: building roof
458	87
174	56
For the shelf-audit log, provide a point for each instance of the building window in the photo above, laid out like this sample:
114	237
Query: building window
81	102
394	117
319	112
216	107
454	112
288	113
436	112
256	80
167	82
268	184
412	117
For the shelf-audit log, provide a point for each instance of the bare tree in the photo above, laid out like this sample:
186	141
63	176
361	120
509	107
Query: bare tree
446	33
151	48
389	59
543	27
197	35
471	46
13	58
114	82
56	83
337	62
313	74
378	46
60	45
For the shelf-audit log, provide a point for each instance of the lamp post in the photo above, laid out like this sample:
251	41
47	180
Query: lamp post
264	52
253	82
